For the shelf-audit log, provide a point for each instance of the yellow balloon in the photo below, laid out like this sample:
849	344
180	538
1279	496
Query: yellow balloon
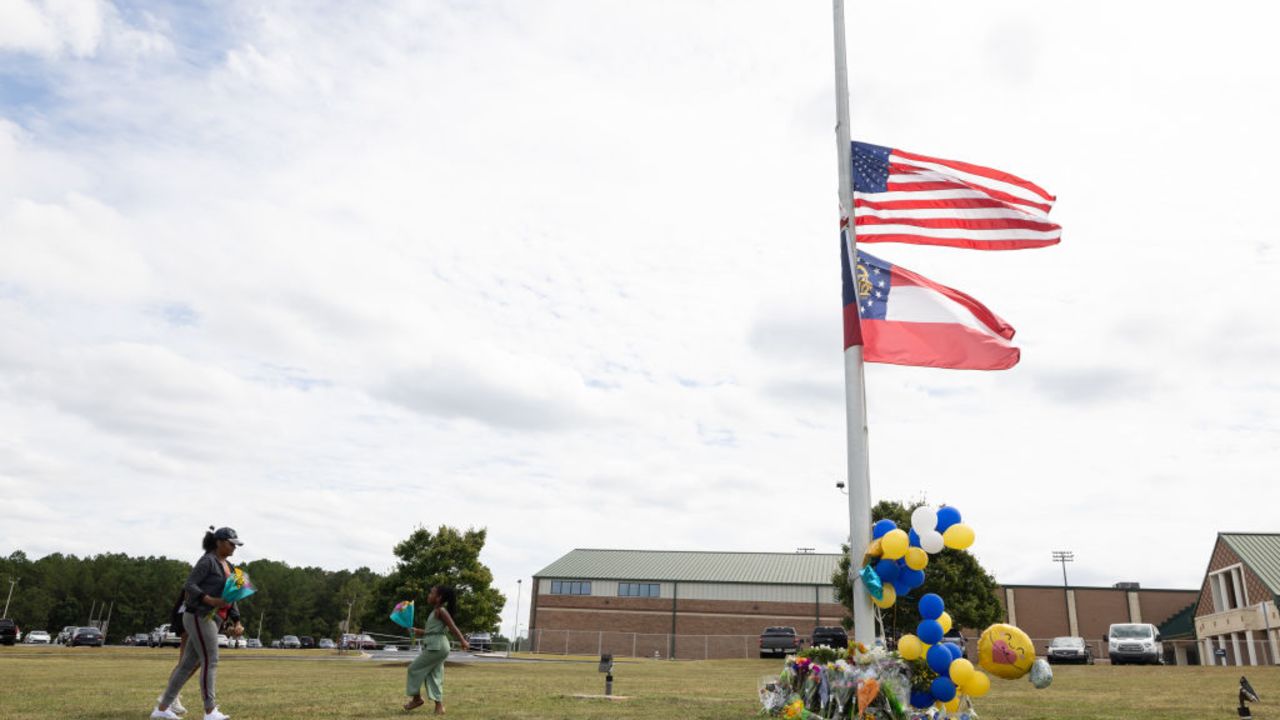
910	647
945	621
958	536
1005	651
887	598
961	671
894	544
953	704
917	558
978	684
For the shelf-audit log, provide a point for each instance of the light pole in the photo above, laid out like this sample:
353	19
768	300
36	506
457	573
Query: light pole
515	636
1064	557
6	600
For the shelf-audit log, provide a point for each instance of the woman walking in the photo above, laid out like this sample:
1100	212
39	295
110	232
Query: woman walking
200	621
428	667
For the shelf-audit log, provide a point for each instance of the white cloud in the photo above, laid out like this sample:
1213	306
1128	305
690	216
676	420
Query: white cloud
567	270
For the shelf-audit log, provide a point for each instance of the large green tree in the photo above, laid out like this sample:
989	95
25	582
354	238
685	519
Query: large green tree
968	590
445	557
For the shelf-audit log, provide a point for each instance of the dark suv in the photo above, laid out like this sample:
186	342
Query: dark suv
8	631
307	642
831	636
91	637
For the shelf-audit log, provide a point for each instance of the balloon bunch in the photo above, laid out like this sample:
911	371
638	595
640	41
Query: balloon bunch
956	675
903	555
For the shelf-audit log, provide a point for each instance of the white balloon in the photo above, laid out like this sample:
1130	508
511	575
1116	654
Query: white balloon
924	519
931	542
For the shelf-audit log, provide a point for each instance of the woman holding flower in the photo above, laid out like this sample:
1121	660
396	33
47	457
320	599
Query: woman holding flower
428	667
202	614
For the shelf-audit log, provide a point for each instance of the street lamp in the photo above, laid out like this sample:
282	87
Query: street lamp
1064	557
515	636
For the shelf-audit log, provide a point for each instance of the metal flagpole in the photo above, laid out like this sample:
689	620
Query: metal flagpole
854	382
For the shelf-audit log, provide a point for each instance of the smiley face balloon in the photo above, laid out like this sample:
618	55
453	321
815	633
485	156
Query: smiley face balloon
1005	651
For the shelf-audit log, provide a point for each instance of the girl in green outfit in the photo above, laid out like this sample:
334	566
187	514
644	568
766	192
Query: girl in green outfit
428	667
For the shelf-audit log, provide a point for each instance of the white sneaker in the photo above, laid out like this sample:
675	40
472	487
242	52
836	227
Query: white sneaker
215	714
175	706
159	714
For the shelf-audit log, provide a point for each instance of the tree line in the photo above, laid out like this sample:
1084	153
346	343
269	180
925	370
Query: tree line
138	592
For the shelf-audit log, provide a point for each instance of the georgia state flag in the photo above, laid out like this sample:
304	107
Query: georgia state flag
907	319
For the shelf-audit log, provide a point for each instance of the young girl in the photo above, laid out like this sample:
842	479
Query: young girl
428	667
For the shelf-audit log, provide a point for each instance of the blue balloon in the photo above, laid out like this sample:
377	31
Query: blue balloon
887	570
881	527
921	699
939	658
947	516
929	632
943	689
912	578
956	652
913	538
902	587
931	606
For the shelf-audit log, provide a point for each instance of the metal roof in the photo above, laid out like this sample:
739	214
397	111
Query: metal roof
1261	552
685	566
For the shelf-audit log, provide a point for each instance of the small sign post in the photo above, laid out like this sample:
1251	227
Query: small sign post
606	667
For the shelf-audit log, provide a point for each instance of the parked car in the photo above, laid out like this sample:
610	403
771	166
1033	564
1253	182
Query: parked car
86	636
164	635
64	636
955	637
141	639
391	648
276	644
253	643
366	642
778	641
306	642
290	642
326	644
9	631
1069	650
1134	642
831	636
36	637
480	642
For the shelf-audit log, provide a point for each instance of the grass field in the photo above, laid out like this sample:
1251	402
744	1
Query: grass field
110	683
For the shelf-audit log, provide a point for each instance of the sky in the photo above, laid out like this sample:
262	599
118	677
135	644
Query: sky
568	270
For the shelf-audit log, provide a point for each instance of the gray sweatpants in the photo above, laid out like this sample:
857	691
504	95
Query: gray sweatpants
201	652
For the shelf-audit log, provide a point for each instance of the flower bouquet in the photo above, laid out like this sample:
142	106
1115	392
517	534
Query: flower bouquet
237	587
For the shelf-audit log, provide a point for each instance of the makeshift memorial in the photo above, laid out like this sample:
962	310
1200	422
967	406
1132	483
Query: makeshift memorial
925	678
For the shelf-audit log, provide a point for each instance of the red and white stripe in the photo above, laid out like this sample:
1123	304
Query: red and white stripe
931	201
931	325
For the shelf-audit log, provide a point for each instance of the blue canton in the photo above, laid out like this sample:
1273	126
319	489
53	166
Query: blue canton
870	167
872	281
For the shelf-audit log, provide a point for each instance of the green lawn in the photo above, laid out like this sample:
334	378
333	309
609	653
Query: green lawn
286	685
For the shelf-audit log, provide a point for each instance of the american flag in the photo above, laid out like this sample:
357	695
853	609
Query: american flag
903	197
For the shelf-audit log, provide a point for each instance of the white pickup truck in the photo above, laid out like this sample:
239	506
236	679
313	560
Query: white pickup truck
163	636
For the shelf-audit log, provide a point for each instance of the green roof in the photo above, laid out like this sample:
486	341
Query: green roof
1261	553
678	566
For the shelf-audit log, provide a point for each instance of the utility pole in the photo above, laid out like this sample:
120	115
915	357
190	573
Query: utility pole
515	636
1064	557
107	623
93	605
261	615
6	600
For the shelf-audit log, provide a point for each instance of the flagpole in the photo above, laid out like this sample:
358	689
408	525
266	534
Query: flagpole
859	474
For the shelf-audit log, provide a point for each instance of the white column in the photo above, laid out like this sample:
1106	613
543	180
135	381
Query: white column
1235	582
1253	653
1072	621
1011	606
1275	646
1235	647
1180	654
1206	652
1135	608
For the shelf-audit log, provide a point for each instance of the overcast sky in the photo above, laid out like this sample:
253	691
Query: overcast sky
324	272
